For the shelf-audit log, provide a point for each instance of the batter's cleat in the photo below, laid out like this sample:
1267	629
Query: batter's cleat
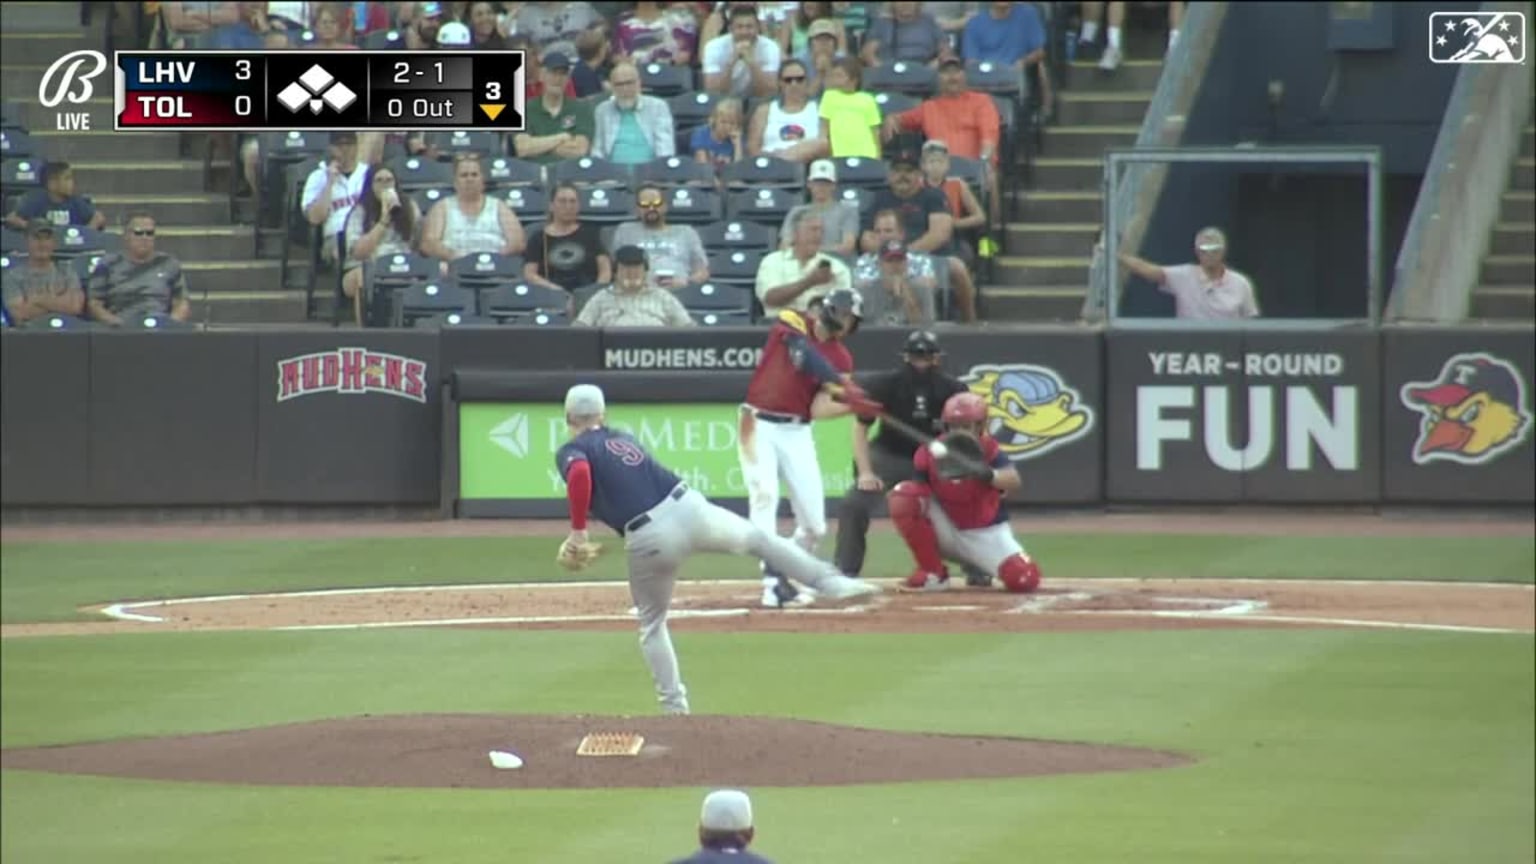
920	581
842	588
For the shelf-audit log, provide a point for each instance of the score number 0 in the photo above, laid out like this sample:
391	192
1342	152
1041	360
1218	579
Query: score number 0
243	101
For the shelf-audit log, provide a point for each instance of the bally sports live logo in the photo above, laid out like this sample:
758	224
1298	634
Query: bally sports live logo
1477	37
352	370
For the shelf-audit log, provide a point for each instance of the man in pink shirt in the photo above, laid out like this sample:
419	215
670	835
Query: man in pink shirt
1208	290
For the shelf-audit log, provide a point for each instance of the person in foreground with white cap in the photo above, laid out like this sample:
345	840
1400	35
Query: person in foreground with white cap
725	830
1209	289
839	221
662	521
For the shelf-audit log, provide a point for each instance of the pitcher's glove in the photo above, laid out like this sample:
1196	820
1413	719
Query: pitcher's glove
963	459
577	552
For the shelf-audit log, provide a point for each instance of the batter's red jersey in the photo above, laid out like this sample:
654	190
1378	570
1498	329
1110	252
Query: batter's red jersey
777	386
969	503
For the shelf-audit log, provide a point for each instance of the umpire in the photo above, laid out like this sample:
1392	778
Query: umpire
914	392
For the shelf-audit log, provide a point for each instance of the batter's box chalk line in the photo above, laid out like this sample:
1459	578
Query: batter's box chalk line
1203	607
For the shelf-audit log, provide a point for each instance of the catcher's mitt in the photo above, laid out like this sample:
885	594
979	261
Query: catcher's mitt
964	458
576	555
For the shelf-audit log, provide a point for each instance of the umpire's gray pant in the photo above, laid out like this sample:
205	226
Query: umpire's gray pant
858	506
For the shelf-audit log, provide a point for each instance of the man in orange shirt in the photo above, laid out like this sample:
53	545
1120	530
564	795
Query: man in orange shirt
964	119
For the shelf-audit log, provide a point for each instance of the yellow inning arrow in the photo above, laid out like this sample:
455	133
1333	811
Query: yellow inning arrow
492	111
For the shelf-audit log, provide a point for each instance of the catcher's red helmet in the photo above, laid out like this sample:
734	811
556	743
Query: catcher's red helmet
965	408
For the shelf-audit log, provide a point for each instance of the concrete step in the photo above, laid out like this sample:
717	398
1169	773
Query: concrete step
209	209
1061	173
223	277
100	108
1035	271
1132	76
1110	108
1061	205
1523	178
108	146
1033	303
250	307
1047	239
1504	302
23	48
206	242
1518	207
19	17
1513	238
1087	141
154	176
20	81
1501	270
1528	142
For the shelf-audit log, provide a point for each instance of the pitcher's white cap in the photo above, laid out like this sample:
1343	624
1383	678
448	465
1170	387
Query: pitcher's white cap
585	399
726	810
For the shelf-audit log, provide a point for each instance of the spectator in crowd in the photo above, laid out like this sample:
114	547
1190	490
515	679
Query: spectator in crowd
907	33
1011	34
854	17
823	51
657	33
633	300
839	221
138	282
565	252
288	17
790	126
533	75
421	29
725	830
852	115
592	66
951	16
896	291
56	202
249	33
797	275
925	217
555	26
330	30
770	15
743	62
187	24
965	119
382	223
675	252
42	285
556	127
632	128
795	33
469	221
485	27
331	190
958	197
719	143
1207	289
1114	15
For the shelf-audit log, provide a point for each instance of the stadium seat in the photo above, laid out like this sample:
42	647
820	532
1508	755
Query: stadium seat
452	319
764	171
463	141
424	300
384	40
10	116
895	103
589	171
503	172
732	236
691	110
426	199
768	206
413	172
721	319
7	261
543	319
860	198
528	202
857	171
486	268
664	80
13	243
607	205
990	77
972	171
80	240
59	322
85	264
521	300
405	268
16	144
734	268
913	79
692	206
295	146
20	174
716	298
675	171
157	321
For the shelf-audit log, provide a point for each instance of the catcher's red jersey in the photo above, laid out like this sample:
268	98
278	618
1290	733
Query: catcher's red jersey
969	503
779	387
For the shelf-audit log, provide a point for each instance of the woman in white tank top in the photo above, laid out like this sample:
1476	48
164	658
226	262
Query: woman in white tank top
451	232
790	127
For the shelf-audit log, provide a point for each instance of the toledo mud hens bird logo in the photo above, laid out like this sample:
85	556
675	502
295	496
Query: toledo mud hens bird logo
1474	412
1029	410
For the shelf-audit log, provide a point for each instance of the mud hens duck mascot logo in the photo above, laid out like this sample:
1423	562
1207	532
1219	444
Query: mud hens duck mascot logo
1472	414
1029	410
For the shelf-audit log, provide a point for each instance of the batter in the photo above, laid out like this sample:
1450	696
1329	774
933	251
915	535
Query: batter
663	522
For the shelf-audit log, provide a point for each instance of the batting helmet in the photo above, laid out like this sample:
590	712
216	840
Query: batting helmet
838	302
922	343
965	408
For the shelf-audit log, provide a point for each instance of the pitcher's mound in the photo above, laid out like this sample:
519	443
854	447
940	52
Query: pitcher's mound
450	751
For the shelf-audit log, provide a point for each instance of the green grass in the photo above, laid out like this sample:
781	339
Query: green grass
49	581
1313	745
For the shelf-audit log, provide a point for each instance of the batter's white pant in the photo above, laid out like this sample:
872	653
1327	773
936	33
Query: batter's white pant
770	452
986	548
686	522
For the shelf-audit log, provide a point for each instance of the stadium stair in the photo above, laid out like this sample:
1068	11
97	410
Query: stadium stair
162	172
1044	274
1507	287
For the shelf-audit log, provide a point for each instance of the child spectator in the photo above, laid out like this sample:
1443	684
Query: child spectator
719	143
823	49
853	116
795	32
56	202
966	210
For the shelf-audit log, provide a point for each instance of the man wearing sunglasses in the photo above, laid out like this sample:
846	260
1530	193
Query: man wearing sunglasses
138	282
675	251
1207	290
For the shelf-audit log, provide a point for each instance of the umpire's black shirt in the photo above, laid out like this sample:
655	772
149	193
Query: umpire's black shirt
914	397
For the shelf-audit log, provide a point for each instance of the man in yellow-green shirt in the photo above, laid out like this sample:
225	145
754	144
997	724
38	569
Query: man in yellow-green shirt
853	117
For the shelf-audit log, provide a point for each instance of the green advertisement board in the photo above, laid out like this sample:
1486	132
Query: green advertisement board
507	450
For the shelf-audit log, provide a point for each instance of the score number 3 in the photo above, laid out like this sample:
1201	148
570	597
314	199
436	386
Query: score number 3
242	102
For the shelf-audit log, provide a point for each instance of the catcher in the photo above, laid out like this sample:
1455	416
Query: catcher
954	507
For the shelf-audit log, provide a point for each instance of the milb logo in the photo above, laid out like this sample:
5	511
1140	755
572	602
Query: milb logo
1476	37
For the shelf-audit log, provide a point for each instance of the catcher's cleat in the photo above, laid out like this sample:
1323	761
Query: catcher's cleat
920	581
975	577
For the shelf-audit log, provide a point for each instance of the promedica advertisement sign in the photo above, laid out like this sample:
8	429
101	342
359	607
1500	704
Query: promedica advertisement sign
507	450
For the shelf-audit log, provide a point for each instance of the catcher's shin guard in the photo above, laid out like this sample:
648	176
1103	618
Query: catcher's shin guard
1019	573
908	504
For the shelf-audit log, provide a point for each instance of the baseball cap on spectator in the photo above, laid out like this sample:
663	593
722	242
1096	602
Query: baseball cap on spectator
455	34
629	255
39	227
429	10
935	144
893	251
726	810
823	169
904	156
821	27
556	61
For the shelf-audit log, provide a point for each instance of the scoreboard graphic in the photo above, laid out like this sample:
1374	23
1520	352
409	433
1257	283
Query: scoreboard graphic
339	91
